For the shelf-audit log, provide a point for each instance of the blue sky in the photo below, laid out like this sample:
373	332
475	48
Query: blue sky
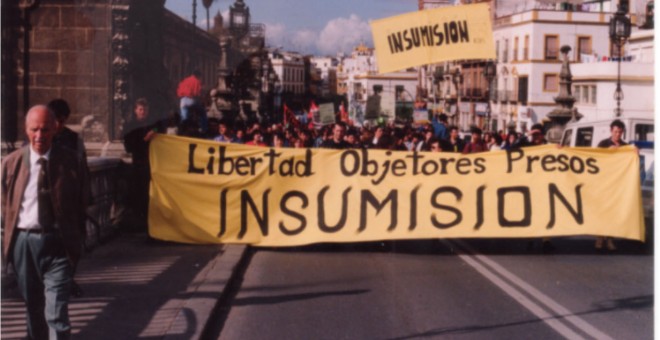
308	26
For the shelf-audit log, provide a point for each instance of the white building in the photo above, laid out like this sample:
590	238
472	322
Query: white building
326	69
358	75
594	82
290	70
528	38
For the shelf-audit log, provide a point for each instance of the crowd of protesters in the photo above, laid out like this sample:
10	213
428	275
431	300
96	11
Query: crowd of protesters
341	135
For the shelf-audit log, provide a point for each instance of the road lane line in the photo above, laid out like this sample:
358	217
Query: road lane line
544	316
560	311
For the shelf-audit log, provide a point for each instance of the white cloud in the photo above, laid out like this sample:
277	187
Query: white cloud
338	35
276	35
343	34
304	40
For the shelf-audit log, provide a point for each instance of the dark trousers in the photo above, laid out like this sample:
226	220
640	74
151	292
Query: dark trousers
139	198
44	276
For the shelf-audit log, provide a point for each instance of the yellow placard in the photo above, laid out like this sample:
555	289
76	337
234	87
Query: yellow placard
433	36
207	192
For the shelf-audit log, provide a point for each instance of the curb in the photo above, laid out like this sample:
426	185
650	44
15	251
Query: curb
211	284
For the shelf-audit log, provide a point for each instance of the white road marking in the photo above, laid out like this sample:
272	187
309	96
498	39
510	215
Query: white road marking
495	273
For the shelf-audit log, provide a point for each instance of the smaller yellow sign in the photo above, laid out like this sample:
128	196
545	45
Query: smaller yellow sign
432	36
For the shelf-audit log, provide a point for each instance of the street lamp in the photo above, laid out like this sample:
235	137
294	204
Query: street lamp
489	72
619	32
457	78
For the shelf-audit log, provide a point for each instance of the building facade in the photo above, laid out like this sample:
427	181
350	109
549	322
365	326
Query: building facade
527	45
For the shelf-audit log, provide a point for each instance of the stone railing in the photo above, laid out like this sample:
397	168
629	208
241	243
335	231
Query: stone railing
105	177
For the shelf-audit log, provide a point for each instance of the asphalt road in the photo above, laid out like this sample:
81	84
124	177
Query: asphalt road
457	289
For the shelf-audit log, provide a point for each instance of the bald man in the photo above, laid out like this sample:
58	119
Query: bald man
43	205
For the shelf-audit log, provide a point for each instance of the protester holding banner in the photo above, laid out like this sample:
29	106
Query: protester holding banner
257	138
510	142
138	133
436	145
337	141
616	140
224	133
425	144
476	143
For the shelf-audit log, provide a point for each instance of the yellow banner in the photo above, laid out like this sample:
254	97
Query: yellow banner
207	192
432	36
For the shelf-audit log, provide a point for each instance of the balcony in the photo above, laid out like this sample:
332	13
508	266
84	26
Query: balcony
512	96
501	96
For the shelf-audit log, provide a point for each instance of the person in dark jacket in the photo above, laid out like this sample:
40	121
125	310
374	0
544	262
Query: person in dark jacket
138	132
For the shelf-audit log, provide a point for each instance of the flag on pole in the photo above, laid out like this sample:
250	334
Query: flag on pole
289	117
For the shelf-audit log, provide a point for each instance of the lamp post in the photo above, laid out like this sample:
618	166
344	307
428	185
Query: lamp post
457	79
438	76
489	72
619	32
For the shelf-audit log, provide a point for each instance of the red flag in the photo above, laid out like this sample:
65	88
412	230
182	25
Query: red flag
289	117
343	115
313	112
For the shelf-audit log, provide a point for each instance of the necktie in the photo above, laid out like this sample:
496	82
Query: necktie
46	215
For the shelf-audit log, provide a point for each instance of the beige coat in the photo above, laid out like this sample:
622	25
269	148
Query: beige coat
69	188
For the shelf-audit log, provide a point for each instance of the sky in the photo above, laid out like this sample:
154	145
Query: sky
320	27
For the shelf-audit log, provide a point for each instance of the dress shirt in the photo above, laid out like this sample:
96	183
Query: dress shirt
28	216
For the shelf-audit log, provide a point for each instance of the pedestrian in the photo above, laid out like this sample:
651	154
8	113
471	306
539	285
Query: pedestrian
189	92
614	141
43	200
63	135
70	139
138	133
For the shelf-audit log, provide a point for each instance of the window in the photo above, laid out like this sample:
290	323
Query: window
593	94
644	133
551	47
584	136
522	90
550	82
583	47
505	56
515	50
585	94
526	48
497	49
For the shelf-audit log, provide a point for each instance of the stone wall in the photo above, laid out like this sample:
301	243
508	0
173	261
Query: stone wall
100	56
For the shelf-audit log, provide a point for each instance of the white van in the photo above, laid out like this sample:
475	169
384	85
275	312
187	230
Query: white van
639	131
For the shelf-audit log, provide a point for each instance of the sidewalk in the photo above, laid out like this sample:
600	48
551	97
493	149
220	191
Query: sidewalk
137	288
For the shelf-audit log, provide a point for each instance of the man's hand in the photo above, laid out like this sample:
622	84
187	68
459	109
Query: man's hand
149	136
